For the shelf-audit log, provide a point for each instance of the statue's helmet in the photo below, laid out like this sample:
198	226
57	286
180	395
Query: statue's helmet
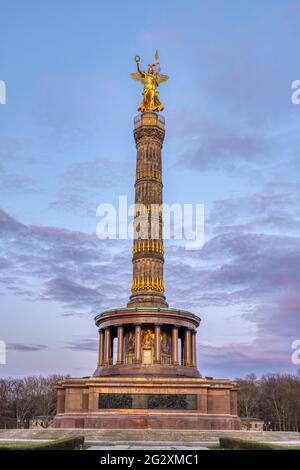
151	69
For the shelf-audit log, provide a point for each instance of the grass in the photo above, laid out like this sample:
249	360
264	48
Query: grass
228	443
68	443
216	448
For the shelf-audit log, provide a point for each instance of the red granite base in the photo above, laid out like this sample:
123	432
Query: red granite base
147	420
214	403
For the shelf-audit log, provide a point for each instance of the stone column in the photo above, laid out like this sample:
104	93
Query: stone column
175	346
138	344
182	362
101	348
120	358
148	251
107	346
194	348
157	358
187	347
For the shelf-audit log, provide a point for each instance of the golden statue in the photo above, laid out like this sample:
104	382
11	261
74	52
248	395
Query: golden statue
150	80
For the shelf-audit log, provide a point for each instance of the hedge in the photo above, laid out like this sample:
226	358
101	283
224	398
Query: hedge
68	443
241	444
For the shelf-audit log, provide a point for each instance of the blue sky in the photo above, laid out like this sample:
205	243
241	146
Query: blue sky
66	145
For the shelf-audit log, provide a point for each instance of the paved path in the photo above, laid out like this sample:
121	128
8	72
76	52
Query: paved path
155	435
131	447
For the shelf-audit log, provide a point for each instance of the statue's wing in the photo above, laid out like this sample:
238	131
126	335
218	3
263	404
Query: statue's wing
137	76
161	78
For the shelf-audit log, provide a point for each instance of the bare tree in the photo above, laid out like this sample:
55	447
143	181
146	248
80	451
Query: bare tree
23	399
247	403
275	398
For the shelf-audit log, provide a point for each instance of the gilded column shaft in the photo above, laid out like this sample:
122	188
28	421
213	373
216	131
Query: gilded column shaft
148	249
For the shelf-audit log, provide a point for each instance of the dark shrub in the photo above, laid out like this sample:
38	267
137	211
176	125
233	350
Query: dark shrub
241	444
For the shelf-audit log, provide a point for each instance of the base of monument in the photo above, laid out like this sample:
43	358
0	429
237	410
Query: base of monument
146	420
142	402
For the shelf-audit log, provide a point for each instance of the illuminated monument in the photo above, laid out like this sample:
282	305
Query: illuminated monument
151	380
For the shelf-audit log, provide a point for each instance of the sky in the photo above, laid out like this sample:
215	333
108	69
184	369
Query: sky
232	143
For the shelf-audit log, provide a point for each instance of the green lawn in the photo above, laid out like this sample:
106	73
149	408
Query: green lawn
68	443
229	443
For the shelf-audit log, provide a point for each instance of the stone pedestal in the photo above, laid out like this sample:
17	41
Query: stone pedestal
152	402
162	389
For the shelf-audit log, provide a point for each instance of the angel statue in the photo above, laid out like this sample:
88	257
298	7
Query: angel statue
150	80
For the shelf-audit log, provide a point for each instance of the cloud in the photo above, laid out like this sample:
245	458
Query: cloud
226	152
85	183
248	269
274	204
83	344
212	145
72	268
9	224
26	347
69	292
11	182
239	359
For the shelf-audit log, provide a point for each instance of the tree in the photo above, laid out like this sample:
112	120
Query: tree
23	399
275	398
247	397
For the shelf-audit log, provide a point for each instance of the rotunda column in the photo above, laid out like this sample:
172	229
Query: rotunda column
101	348
175	345
187	347
107	346
194	348
138	330
157	349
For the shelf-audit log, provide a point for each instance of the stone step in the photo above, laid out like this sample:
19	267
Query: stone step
115	444
146	435
111	444
146	447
